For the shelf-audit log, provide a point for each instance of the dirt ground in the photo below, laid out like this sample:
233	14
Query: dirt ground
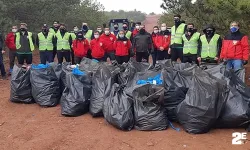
30	127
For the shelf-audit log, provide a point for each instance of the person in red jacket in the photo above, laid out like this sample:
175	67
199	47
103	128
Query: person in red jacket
137	29
80	47
235	48
122	48
108	41
97	48
10	43
154	34
162	43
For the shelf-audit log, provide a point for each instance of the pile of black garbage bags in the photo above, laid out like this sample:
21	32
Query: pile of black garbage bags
138	95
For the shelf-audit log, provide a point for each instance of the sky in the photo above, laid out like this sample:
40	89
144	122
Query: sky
146	6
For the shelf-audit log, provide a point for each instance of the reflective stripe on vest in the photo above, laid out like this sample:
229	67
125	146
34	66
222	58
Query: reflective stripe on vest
176	36
73	36
63	42
18	45
88	35
209	50
45	43
191	46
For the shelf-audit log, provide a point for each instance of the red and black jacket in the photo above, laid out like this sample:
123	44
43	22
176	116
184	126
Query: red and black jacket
235	46
10	41
122	47
163	40
97	48
80	47
108	41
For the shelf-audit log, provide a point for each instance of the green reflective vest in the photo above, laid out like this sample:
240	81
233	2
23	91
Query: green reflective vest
18	45
191	46
176	35
128	34
45	43
51	30
88	35
73	36
63	42
209	50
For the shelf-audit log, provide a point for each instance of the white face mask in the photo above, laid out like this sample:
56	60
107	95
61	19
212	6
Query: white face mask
163	28
99	30
137	27
121	35
76	30
14	30
96	36
156	31
106	32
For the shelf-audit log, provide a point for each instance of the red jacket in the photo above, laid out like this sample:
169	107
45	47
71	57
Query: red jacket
108	41
80	48
97	49
10	41
235	46
162	41
154	39
135	32
122	47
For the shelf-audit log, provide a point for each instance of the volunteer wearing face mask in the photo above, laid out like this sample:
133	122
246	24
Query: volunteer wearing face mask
108	41
116	29
45	41
10	43
154	35
137	29
54	30
191	43
163	43
89	34
235	48
80	47
24	44
176	48
210	46
99	29
143	45
97	48
122	48
73	36
128	33
63	41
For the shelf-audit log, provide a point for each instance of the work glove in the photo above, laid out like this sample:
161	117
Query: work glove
245	62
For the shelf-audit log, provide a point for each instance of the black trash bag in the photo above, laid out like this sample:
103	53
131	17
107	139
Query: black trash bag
75	98
217	71
118	109
101	88
241	74
58	70
173	95
164	63
183	66
115	71
89	65
237	110
67	68
203	104
21	86
45	86
148	111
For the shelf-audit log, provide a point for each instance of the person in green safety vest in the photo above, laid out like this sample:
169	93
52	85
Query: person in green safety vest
128	33
89	35
54	30
24	44
45	42
176	46
210	46
73	36
63	42
190	44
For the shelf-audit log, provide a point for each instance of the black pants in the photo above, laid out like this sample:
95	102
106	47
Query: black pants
122	59
12	57
141	55
177	53
63	54
46	56
72	57
77	59
24	57
110	55
2	68
89	54
54	53
190	59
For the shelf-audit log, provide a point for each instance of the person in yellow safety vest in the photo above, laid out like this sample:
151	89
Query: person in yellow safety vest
128	33
73	36
24	44
45	42
89	35
210	46
63	42
54	30
176	46
190	44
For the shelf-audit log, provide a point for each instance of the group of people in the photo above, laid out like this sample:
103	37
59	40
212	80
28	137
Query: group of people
183	42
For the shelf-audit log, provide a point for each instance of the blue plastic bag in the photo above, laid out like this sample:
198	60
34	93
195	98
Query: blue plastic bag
152	80
40	66
76	71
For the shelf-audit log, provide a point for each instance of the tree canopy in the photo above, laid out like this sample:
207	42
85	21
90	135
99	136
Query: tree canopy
136	16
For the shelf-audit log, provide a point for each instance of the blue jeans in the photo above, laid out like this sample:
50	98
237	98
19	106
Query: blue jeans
234	64
3	73
46	56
